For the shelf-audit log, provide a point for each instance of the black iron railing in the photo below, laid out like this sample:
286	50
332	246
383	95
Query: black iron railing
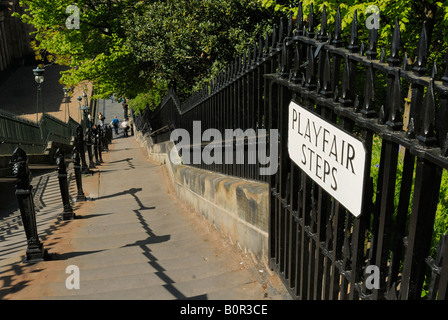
321	249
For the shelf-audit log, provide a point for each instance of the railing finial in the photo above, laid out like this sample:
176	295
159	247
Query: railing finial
289	31
266	45
422	52
311	22
295	78
337	41
326	78
394	60
445	75
323	36
427	118
280	33
299	19
274	37
353	46
394	106
373	40
368	109
310	77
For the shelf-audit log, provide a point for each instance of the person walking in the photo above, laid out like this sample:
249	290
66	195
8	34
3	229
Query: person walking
101	119
125	127
125	110
115	123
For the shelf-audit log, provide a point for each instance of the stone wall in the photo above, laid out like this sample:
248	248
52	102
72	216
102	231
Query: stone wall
239	208
14	36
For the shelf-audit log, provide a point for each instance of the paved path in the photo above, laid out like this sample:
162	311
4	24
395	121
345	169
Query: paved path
135	240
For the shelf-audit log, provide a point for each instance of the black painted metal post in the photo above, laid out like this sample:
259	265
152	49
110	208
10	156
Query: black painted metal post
99	144
24	192
104	140
89	148
109	134
81	149
77	166
68	213
95	145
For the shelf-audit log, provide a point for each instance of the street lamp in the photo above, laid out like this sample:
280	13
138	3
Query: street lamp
39	78
80	111
67	109
86	108
39	75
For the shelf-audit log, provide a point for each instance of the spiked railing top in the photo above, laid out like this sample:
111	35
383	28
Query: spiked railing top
323	36
280	34
445	75
310	32
353	46
394	59
290	27
373	40
299	18
422	52
427	117
337	41
318	74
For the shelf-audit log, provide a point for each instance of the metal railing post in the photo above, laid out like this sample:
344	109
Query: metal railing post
97	146
104	140
24	192
81	149
68	213
89	148
100	145
78	175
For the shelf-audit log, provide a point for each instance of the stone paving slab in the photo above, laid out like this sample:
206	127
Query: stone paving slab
135	240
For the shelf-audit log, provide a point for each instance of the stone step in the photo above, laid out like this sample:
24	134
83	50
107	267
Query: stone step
149	286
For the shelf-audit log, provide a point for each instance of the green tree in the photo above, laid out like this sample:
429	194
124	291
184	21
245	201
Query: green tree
140	48
411	15
188	41
97	51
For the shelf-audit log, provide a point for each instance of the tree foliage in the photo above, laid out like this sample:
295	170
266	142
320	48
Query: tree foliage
411	15
131	47
97	51
187	41
140	48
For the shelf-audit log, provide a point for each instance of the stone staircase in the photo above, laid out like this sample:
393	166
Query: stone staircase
135	240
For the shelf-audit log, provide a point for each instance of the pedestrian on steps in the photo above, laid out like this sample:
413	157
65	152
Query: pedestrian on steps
125	127
115	123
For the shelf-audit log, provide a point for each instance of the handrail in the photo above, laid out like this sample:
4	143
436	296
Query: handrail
32	136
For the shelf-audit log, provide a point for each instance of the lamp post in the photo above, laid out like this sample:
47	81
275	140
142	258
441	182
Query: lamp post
39	78
84	95
87	110
80	110
67	109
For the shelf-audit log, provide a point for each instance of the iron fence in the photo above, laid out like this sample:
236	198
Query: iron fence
321	250
31	136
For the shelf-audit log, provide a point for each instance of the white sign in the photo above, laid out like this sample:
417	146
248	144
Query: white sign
331	157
